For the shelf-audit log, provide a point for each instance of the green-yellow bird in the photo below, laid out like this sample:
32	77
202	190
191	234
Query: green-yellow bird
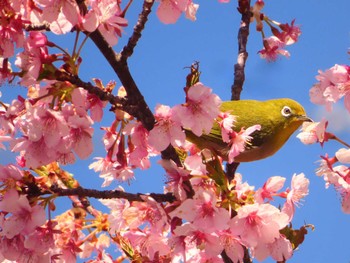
279	118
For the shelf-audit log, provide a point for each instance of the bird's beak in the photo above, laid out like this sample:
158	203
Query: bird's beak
304	118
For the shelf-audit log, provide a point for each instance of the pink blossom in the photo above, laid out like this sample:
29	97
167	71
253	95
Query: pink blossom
98	244
166	131
233	246
269	189
10	175
333	85
241	189
209	242
290	33
343	155
203	212
31	61
116	219
105	15
84	101
41	240
176	178
24	217
226	122
200	109
11	31
272	48
169	11
280	250
299	189
333	174
148	243
339	177
140	151
80	135
194	164
191	11
61	15
238	141
313	132
258	223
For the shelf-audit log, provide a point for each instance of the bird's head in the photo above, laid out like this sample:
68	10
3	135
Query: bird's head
290	113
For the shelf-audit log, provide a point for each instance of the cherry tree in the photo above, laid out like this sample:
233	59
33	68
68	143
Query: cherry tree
207	212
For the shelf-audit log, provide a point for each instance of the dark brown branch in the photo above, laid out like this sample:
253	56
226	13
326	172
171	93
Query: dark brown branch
239	75
41	27
107	194
139	109
237	87
140	25
103	95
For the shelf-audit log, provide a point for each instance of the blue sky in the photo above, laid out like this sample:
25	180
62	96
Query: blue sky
158	68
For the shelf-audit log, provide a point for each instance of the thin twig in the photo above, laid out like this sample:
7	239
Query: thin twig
103	95
243	33
140	25
237	87
108	194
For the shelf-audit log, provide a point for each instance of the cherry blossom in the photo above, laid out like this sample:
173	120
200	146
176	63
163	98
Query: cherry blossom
333	85
203	213
343	155
32	59
290	33
226	122
61	15
273	47
258	223
299	189
176	178
167	130
270	188
233	246
210	242
105	15
169	11
313	132
280	250
238	141
24	218
200	109
11	32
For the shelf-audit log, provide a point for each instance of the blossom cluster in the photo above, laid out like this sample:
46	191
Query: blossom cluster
53	126
333	84
283	34
196	227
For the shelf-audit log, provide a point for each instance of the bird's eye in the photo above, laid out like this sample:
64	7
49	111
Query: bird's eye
286	111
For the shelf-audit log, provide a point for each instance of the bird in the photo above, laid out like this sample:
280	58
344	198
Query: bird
278	118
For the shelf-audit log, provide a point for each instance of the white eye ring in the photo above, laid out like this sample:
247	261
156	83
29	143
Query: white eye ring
286	111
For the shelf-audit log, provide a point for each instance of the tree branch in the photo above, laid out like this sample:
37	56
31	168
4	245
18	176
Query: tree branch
107	194
140	25
103	95
139	108
239	75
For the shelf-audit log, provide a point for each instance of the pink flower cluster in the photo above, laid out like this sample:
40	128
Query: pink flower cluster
169	11
43	134
198	229
129	145
283	34
333	84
